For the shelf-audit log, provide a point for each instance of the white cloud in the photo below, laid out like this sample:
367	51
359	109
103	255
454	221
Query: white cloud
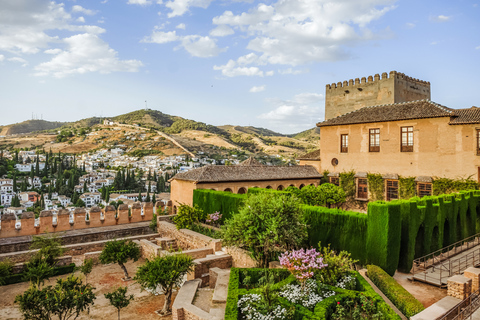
85	53
477	48
295	32
77	8
179	7
221	31
27	26
2	57
81	19
239	67
300	113
53	51
258	89
181	26
161	37
19	60
440	18
293	71
140	2
410	25
197	46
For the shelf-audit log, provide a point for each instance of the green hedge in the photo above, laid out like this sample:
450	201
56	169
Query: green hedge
322	310
400	297
17	278
261	190
344	230
211	201
383	235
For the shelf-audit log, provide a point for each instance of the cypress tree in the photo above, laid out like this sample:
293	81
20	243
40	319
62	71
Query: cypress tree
107	195
15	182
37	167
139	195
15	201
154	200
85	188
147	199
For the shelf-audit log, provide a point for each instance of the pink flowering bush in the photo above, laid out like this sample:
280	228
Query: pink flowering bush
214	218
302	263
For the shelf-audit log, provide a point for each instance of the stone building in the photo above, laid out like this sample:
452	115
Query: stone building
239	178
355	94
421	138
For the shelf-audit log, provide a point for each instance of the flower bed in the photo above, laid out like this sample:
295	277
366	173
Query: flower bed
276	294
209	232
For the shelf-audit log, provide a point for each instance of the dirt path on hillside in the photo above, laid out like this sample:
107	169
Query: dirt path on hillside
104	278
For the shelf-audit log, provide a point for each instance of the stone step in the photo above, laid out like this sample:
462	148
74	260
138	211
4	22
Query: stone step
221	289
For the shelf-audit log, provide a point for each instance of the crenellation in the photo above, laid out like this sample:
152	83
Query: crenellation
387	88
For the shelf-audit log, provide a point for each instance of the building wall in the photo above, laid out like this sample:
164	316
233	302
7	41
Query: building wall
314	163
347	96
182	191
440	150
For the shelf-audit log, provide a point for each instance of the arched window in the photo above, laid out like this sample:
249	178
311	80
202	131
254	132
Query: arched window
280	187
228	190
291	185
174	209
269	187
301	186
242	190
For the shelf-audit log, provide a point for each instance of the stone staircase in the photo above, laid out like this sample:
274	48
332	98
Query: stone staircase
167	244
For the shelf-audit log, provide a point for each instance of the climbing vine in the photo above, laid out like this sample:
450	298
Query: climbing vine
347	183
407	187
445	185
376	186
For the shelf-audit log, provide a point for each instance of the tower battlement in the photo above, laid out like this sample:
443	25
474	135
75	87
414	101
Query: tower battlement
393	87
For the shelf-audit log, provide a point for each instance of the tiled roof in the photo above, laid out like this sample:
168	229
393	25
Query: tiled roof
392	112
247	173
251	162
314	155
466	116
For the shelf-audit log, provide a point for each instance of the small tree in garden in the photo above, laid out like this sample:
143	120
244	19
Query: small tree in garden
338	265
49	248
331	194
120	251
266	225
6	268
86	268
37	271
119	299
167	272
66	300
302	263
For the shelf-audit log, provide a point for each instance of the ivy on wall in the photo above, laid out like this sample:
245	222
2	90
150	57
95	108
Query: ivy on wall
347	183
445	185
376	186
408	187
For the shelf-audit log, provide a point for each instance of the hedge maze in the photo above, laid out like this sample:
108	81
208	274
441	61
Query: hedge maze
390	235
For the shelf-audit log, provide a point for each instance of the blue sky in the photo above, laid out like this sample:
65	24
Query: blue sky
239	62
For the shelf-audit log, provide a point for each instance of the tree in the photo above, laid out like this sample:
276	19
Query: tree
331	194
37	271
15	201
86	267
80	203
188	215
49	248
267	224
167	272
139	195
119	299
120	251
6	268
66	300
107	194
154	199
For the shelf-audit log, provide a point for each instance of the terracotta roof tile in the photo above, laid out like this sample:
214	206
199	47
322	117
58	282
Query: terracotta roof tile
392	112
248	173
466	116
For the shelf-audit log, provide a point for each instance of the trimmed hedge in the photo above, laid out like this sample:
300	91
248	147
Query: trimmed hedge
344	230
211	201
17	278
322	310
400	297
261	190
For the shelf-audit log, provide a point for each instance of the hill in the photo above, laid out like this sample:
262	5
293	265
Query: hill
30	126
310	135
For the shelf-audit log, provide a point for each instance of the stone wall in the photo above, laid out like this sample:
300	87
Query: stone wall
80	218
202	266
187	239
240	258
459	287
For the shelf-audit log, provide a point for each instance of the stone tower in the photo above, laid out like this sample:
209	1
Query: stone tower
352	95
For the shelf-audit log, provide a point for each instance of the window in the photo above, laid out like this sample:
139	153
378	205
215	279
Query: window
424	189
362	188
392	190
344	143
478	141
335	181
407	139
375	140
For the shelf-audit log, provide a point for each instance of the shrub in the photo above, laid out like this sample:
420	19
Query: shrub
6	268
188	215
337	265
120	251
400	297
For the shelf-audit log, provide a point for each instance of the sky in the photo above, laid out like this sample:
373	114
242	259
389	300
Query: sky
237	62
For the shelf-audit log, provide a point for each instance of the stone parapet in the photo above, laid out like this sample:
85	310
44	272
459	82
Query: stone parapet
459	287
474	274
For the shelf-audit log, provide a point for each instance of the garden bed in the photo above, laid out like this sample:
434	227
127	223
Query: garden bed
246	291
